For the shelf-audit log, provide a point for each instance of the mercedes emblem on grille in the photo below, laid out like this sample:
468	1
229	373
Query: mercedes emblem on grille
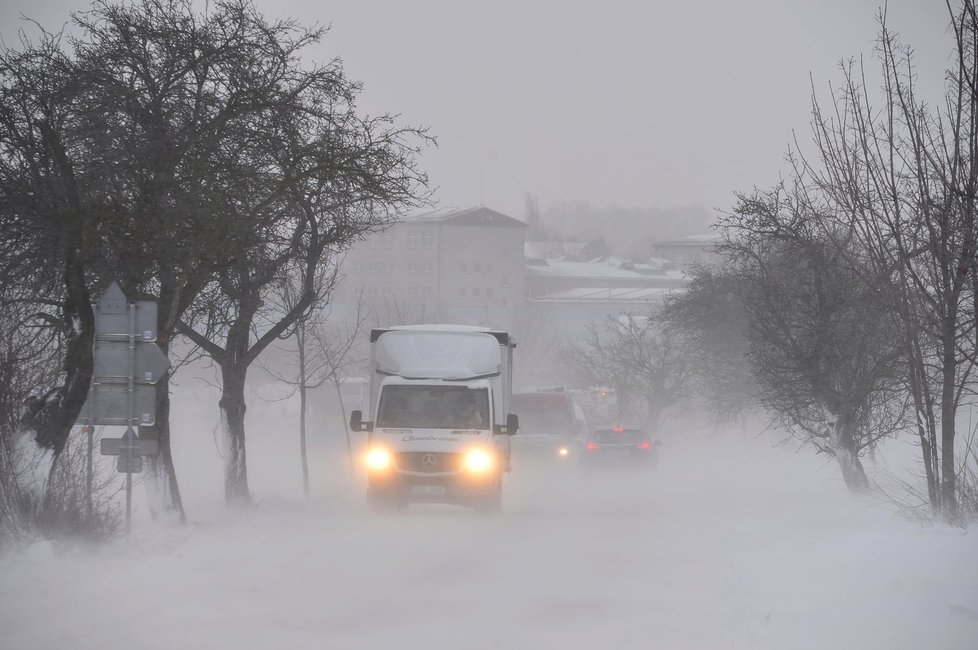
429	461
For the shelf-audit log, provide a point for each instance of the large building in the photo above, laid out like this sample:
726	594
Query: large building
452	265
473	267
575	294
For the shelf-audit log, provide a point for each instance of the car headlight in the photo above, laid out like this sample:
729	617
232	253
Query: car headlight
563	451
479	461
379	459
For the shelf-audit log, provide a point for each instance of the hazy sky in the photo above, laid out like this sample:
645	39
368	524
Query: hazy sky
633	103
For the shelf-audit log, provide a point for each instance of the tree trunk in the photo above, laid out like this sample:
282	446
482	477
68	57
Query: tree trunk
53	417
233	408
164	490
949	499
301	339
847	456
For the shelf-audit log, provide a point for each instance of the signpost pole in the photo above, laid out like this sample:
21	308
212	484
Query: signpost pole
132	411
90	430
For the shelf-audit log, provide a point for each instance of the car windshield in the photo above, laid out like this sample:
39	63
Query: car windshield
433	407
619	435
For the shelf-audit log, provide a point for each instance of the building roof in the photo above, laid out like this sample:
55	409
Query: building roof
610	268
479	216
553	250
707	239
607	294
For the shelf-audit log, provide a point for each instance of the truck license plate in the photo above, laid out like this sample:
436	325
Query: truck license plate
428	490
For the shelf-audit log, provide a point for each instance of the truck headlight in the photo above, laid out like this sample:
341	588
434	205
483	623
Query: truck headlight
478	461
379	459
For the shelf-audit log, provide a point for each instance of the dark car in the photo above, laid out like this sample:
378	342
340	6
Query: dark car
621	444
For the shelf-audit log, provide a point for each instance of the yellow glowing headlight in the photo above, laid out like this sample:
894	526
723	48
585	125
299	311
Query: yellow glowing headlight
563	451
479	460
379	459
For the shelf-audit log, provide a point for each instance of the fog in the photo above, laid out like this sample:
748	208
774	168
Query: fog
731	541
632	104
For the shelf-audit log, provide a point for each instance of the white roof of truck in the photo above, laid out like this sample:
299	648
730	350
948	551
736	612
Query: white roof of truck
437	351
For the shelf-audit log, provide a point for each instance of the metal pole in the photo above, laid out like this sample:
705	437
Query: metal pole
88	479
131	411
90	430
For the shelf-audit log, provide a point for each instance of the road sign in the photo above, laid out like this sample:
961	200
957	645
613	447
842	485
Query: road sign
132	447
129	464
111	324
114	324
108	404
112	361
120	395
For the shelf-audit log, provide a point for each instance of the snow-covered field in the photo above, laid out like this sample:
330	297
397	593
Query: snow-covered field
730	543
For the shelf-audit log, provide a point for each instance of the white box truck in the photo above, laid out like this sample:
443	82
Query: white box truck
439	417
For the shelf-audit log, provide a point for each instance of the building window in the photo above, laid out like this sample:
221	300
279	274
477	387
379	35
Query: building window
429	267
421	238
463	292
490	267
490	292
477	268
505	280
425	292
463	267
476	292
412	291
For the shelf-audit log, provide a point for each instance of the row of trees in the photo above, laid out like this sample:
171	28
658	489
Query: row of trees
846	300
197	159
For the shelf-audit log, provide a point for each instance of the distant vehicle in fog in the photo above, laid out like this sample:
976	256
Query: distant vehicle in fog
552	425
627	445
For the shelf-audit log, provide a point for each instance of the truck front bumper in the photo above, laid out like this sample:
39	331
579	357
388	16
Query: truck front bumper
461	488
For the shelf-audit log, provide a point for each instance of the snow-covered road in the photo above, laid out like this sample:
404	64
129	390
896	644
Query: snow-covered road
726	545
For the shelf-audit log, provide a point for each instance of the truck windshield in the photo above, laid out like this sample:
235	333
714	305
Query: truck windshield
433	407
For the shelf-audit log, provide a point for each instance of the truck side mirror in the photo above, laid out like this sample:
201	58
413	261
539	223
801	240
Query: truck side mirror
512	424
357	423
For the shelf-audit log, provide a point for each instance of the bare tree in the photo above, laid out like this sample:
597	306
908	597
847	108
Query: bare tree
708	320
635	355
324	351
902	176
826	356
321	176
48	202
